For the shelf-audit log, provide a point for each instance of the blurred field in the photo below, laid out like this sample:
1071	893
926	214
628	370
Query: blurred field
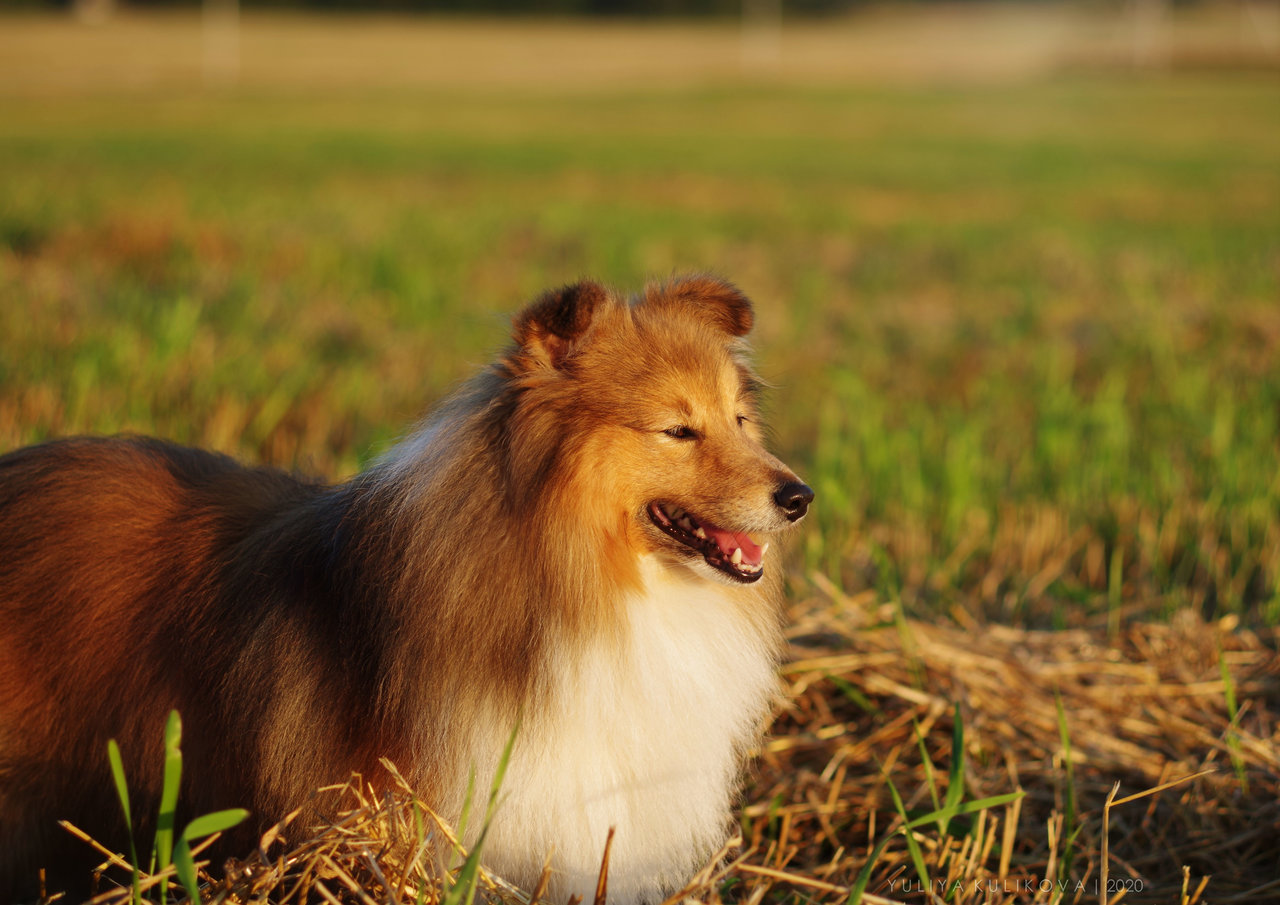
1024	332
1020	304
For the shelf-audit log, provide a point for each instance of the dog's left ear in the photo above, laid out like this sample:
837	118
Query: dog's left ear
716	301
547	330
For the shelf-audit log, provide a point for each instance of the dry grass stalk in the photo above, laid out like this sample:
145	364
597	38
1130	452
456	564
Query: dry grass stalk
1144	710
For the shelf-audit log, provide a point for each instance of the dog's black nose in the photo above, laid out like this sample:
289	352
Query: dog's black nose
794	499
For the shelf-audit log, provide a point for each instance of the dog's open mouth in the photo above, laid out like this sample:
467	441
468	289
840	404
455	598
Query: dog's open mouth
734	553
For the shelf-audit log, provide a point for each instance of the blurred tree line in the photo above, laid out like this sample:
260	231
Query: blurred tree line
519	7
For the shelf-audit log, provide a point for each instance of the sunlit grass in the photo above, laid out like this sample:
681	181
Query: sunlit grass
1020	335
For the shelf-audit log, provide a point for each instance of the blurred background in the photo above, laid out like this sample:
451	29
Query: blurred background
1017	265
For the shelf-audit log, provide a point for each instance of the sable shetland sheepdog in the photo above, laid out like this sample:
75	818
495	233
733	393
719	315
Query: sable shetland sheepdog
577	541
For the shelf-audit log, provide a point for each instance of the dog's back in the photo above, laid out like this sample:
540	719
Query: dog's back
110	551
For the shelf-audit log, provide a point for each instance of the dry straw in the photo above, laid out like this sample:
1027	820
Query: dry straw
1142	783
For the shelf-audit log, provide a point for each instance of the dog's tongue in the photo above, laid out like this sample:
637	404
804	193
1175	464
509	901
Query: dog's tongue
728	541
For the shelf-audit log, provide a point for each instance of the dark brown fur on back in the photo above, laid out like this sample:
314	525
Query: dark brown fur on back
137	576
123	569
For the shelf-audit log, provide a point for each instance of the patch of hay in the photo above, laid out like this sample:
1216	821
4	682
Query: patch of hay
1062	715
1129	733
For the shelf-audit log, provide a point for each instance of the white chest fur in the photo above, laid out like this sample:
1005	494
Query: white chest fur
646	737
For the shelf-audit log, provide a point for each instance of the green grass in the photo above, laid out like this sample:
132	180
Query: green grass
1023	337
953	806
167	859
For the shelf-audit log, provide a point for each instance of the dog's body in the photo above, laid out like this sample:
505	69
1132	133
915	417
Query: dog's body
564	545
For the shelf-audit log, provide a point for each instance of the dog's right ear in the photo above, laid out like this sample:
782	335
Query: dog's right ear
547	330
716	302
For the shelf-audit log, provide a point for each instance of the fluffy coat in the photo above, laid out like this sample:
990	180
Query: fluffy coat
530	554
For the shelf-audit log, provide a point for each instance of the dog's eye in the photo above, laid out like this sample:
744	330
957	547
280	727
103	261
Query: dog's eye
681	432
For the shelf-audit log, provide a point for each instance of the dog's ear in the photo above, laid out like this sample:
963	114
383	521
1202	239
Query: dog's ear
547	330
716	301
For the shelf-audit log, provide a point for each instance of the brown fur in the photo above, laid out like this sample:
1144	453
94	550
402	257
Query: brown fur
305	631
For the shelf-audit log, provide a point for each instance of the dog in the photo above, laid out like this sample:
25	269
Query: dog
577	542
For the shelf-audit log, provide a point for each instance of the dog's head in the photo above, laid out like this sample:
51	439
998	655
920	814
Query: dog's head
656	412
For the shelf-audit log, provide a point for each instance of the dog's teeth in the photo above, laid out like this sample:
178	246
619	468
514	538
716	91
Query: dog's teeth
736	558
677	513
700	534
764	549
686	524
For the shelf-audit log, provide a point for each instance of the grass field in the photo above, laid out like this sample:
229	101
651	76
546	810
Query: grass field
1023	332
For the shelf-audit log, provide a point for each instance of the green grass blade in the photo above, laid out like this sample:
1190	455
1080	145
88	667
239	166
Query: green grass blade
501	773
463	890
215	822
955	787
468	797
117	774
1228	685
941	816
420	832
855	696
1069	805
184	862
162	850
968	807
185	866
913	847
1233	712
927	763
122	790
859	887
